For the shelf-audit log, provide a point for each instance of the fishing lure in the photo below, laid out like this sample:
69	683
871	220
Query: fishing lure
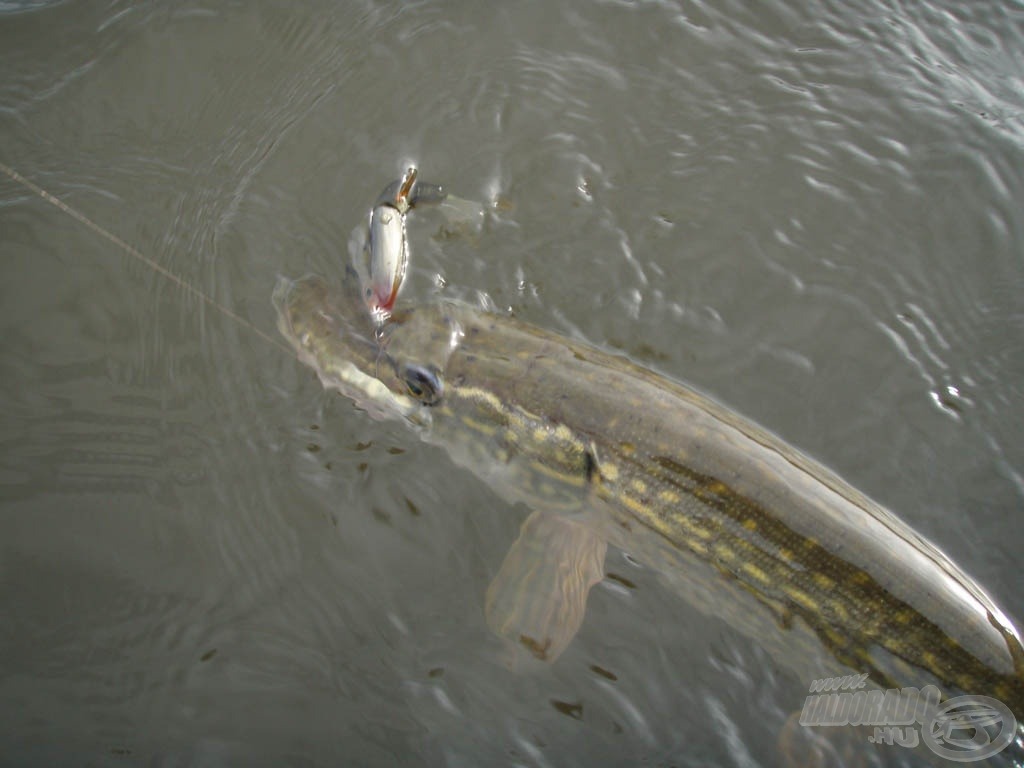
386	251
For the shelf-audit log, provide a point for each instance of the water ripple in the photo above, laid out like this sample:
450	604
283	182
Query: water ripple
810	210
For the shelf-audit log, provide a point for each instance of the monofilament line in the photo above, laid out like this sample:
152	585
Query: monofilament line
137	254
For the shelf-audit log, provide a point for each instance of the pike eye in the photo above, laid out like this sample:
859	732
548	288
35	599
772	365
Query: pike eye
423	383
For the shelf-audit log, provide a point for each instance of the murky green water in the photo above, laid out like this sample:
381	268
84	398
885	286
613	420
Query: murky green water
809	210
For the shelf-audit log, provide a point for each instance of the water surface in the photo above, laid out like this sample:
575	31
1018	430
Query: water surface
808	210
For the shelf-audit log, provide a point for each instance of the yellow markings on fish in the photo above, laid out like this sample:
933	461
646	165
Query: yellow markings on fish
836	640
839	610
669	497
703	533
644	512
572	478
756	573
483	397
750	524
519	423
639	486
684	522
932	660
479	426
800	597
609	472
699	547
635	505
905	617
861	578
717	487
824	582
725	553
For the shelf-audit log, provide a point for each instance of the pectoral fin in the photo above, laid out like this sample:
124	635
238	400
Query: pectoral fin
539	596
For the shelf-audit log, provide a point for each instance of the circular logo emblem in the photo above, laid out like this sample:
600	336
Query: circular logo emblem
968	728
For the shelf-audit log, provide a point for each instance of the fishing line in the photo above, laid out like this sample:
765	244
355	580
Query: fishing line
137	254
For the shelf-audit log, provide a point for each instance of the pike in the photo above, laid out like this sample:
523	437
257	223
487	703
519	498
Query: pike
604	451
